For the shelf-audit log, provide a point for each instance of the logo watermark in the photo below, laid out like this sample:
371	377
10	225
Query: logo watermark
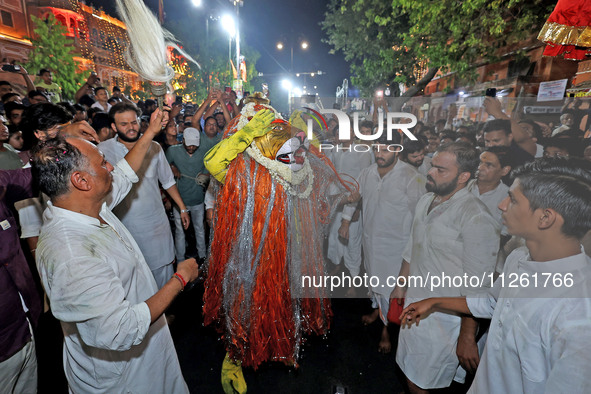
391	127
395	148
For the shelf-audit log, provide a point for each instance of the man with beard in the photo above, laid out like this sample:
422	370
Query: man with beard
142	211
390	190
414	154
453	234
9	160
348	162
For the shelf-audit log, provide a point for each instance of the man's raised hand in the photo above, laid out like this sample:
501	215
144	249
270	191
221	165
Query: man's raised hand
158	120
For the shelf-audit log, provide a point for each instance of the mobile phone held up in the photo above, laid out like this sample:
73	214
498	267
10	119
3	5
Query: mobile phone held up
491	92
11	68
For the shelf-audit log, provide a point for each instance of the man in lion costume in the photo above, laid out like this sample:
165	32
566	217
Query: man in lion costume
273	206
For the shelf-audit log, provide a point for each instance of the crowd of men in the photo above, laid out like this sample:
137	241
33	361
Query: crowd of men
106	201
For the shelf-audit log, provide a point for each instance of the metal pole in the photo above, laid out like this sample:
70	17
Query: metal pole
237	5
207	49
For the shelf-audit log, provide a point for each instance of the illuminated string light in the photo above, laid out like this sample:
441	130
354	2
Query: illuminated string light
102	41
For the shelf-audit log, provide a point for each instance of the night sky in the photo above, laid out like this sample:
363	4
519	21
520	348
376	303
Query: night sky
263	24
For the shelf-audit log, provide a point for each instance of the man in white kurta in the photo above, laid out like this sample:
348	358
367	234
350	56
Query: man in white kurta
97	283
452	233
494	165
389	190
388	208
100	288
142	211
539	338
348	159
490	198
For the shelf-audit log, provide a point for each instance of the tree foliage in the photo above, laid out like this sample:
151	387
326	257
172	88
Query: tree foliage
389	42
53	50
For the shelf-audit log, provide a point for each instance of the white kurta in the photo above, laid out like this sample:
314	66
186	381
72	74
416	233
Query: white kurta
491	198
142	211
348	164
98	281
457	237
388	210
99	106
539	339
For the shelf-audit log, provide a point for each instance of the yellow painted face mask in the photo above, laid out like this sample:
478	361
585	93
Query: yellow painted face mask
285	144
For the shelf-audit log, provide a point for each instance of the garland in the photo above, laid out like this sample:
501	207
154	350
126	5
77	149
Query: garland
283	174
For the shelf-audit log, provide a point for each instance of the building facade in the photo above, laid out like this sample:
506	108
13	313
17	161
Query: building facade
99	39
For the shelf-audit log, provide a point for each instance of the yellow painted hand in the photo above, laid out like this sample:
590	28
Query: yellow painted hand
259	125
220	156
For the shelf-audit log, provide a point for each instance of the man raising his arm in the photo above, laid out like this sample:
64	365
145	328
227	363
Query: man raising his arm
98	282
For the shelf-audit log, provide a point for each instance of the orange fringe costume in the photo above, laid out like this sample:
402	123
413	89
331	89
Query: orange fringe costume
265	239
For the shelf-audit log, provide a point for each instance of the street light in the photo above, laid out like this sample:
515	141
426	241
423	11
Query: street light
229	25
303	44
286	84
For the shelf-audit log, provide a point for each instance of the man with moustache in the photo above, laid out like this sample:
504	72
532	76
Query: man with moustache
348	162
495	164
142	211
390	190
111	311
186	162
9	160
414	154
454	234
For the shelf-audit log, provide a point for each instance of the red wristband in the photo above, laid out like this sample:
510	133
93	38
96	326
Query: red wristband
183	281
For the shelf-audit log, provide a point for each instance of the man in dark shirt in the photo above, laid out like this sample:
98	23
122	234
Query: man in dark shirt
20	303
504	131
497	132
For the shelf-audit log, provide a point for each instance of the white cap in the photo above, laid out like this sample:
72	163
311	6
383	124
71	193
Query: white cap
191	136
